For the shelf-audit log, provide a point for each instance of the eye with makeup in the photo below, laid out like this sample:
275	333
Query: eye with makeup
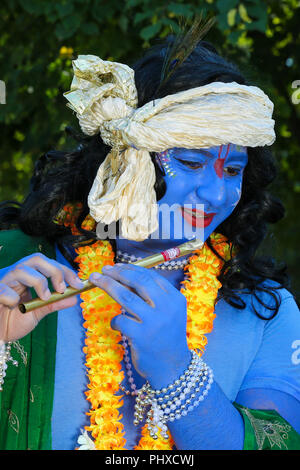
232	171
190	164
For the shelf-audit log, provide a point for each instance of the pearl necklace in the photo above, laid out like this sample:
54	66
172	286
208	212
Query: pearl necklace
170	265
133	392
123	257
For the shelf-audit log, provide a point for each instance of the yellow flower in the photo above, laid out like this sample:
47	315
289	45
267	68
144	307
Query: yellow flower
66	51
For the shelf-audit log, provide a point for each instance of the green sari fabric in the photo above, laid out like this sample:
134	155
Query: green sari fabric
267	430
27	397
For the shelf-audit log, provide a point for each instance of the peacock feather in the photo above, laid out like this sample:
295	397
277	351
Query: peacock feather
183	45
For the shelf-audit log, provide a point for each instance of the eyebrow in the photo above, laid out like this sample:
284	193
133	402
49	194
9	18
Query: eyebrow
205	152
228	155
202	151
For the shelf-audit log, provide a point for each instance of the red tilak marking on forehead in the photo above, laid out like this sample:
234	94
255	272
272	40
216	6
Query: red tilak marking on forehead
219	163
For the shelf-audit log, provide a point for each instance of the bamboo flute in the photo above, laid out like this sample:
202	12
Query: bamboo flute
148	262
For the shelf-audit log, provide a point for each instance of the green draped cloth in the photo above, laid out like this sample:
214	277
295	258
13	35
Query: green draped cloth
267	430
27	397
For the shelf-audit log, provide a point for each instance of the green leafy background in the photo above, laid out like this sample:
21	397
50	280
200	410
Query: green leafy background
39	39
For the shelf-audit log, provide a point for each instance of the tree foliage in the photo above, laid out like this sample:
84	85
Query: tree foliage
39	39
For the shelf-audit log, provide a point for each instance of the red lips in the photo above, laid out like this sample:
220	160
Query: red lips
200	219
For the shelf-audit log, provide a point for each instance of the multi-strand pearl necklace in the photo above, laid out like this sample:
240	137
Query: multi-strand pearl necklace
123	257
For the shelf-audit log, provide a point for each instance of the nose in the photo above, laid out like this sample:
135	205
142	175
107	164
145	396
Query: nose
212	189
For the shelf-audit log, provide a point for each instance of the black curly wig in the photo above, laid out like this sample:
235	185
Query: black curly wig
62	177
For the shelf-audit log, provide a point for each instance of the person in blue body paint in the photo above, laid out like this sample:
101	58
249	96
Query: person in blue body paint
198	179
251	347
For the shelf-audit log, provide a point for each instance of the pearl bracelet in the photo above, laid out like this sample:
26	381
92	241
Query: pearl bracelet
5	356
164	406
185	381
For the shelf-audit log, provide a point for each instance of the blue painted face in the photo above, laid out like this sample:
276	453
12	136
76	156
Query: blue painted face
204	184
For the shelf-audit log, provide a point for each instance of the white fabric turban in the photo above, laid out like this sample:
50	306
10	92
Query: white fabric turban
104	96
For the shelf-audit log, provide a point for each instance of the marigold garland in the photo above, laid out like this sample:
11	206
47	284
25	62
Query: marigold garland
103	350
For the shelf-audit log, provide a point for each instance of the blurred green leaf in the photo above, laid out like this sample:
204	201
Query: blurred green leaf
90	28
258	10
244	14
180	9
225	5
139	17
68	26
64	9
31	6
231	15
150	31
